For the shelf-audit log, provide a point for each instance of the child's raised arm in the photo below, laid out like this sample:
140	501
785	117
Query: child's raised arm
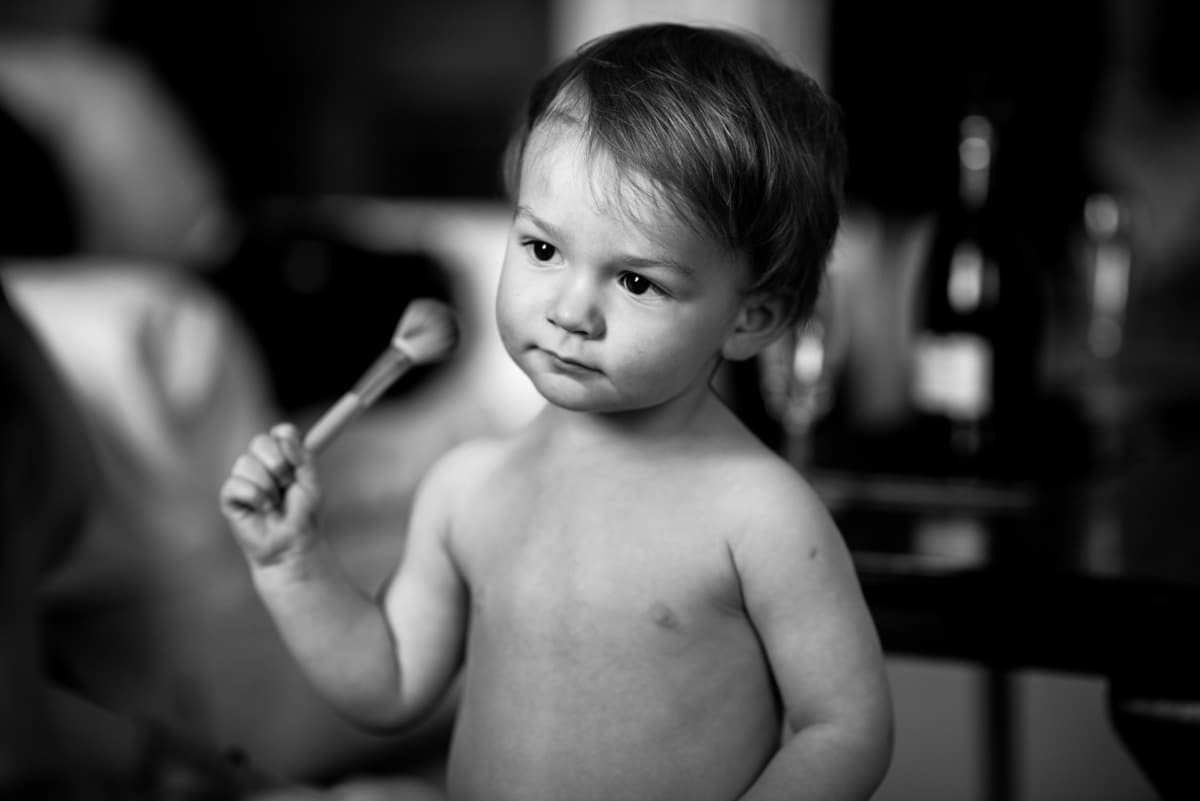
802	594
380	666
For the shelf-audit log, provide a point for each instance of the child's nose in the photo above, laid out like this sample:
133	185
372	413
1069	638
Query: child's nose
575	308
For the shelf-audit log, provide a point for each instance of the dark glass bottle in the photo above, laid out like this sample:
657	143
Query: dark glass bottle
975	343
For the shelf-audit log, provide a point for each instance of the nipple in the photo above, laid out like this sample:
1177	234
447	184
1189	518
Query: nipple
662	615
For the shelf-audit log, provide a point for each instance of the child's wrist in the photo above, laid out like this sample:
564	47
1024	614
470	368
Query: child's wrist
297	563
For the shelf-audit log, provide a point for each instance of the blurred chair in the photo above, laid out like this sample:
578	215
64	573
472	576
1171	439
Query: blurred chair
139	182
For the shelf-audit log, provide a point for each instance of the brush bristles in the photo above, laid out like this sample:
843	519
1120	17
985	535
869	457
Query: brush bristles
428	331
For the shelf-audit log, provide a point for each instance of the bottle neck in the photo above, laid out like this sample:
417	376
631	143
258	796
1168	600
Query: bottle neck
975	151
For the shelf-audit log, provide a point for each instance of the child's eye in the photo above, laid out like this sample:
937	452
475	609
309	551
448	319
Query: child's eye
542	251
636	284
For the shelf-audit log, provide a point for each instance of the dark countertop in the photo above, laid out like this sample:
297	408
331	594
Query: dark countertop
1073	564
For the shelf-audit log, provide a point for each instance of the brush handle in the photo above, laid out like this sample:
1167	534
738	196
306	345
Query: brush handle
333	421
392	364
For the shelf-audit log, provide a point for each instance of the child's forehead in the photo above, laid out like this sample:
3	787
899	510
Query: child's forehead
561	143
560	161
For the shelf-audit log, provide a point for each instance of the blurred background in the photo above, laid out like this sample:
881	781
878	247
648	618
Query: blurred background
211	214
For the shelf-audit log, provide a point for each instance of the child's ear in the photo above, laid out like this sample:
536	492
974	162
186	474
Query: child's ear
761	319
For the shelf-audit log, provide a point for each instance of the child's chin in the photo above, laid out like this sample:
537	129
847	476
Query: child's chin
575	403
573	397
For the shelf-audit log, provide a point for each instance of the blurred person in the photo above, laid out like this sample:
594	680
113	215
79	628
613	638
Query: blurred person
110	206
645	600
46	480
63	734
56	739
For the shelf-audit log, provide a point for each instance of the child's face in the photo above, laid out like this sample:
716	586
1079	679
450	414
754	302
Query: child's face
607	300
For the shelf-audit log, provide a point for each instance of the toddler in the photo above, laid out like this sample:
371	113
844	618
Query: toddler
642	600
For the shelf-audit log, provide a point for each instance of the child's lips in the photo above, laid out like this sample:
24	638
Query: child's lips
567	364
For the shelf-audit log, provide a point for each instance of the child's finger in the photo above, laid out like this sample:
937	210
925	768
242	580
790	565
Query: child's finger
269	451
304	474
288	437
251	470
242	496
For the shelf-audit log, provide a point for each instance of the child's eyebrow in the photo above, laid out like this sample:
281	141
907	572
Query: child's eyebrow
626	260
525	213
642	263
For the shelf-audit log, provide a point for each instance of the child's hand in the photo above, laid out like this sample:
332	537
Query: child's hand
272	497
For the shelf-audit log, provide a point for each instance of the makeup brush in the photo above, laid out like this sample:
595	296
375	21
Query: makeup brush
427	332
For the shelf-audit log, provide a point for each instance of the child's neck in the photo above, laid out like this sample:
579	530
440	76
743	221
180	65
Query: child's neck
676	423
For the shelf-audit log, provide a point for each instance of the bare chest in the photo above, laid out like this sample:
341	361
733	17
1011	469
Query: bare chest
607	641
625	558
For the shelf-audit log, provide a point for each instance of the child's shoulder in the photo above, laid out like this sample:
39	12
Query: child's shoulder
766	476
754	489
470	461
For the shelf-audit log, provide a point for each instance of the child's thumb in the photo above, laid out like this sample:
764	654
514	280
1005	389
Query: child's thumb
306	487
